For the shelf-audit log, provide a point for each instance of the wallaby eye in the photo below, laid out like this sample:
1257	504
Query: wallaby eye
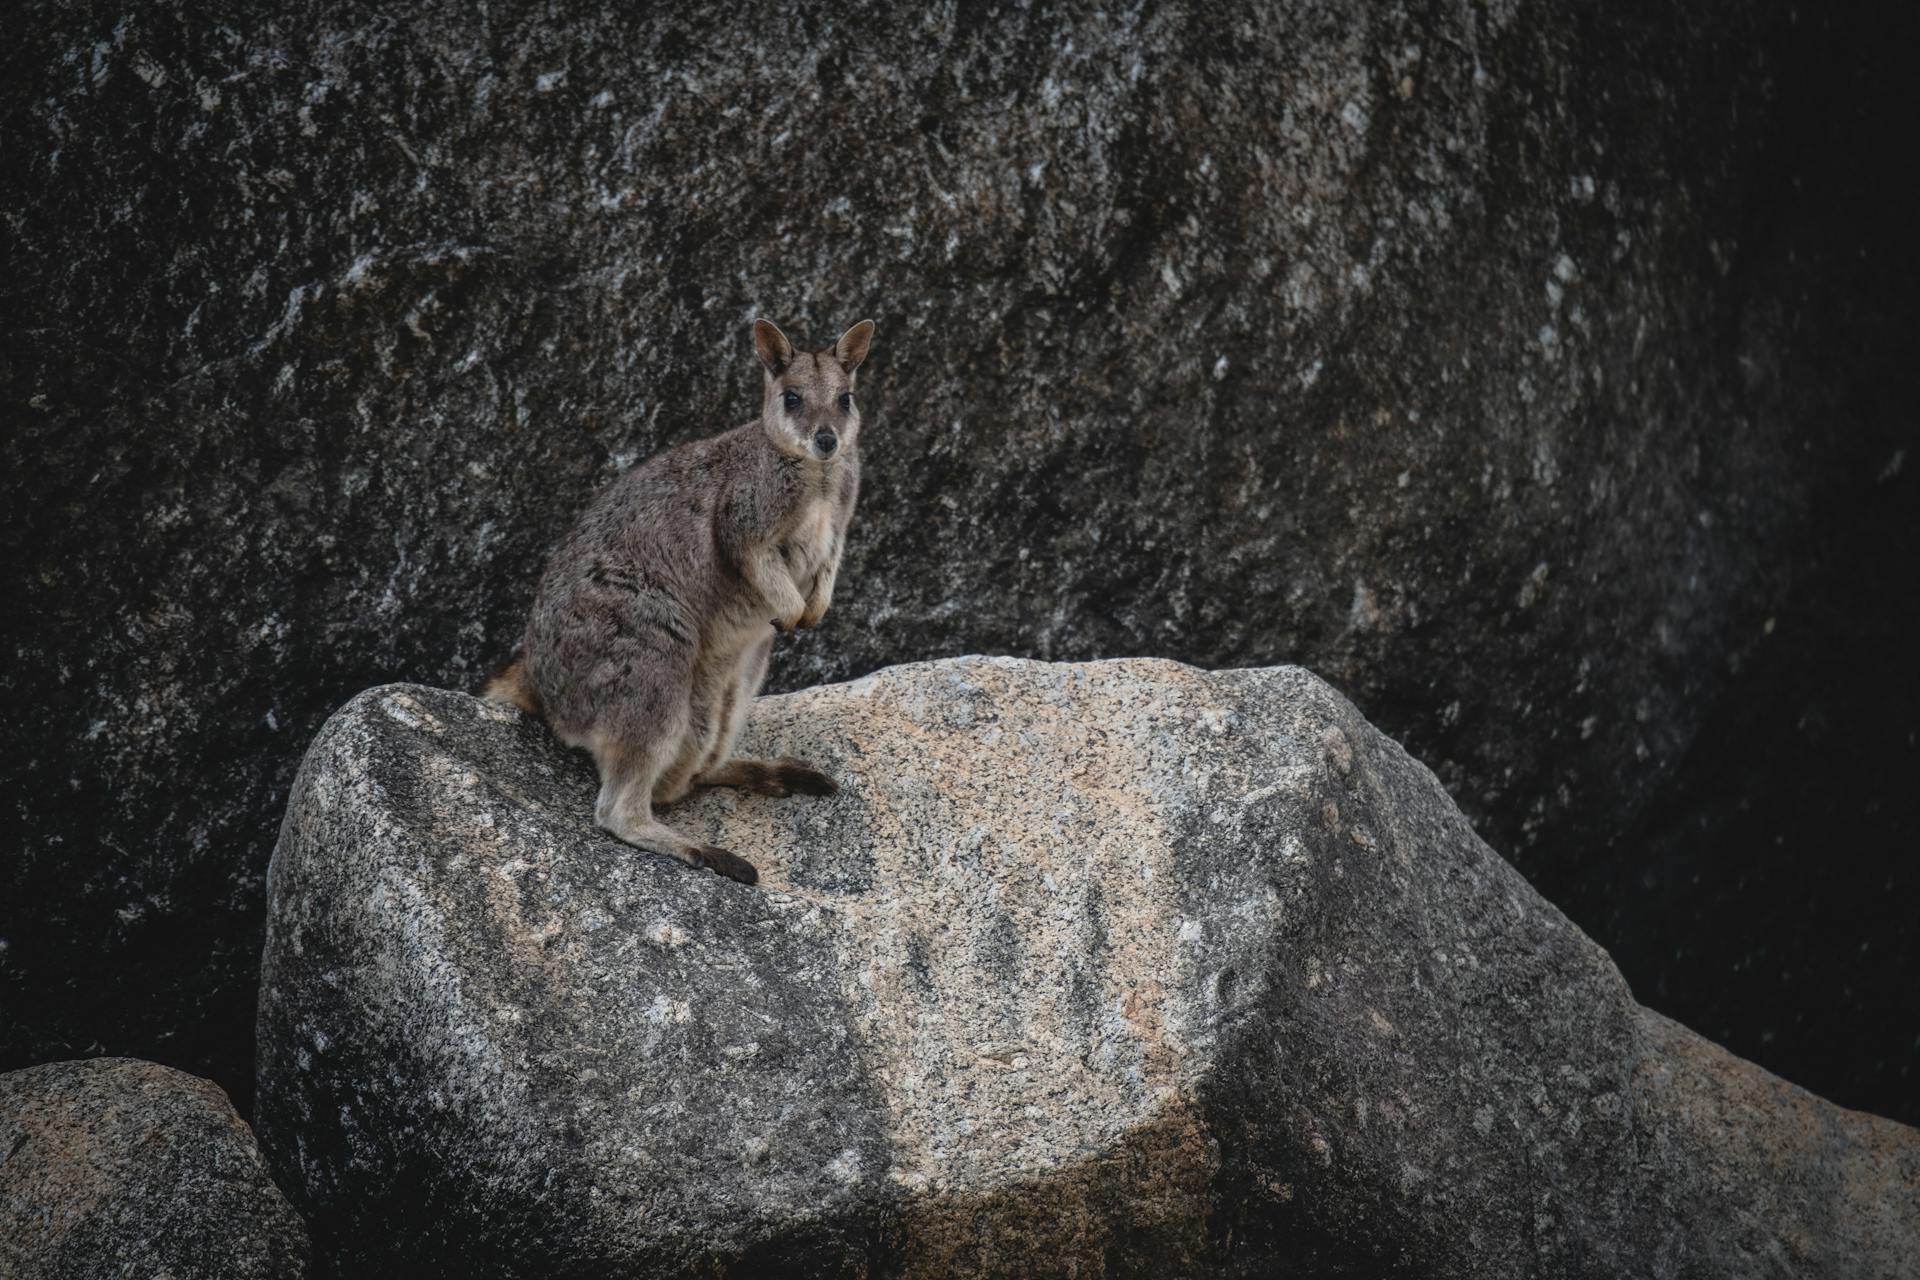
792	399
846	402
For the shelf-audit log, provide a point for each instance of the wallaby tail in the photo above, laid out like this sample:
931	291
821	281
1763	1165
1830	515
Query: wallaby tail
509	685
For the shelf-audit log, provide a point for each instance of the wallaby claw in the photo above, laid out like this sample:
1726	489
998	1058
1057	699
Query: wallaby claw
722	863
802	779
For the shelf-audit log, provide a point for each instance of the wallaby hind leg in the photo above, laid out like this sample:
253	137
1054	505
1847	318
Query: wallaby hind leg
625	808
783	777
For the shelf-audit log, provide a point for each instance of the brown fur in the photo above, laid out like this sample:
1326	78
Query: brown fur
509	685
655	617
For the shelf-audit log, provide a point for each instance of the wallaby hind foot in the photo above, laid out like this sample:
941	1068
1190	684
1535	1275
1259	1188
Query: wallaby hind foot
778	778
730	865
657	837
625	811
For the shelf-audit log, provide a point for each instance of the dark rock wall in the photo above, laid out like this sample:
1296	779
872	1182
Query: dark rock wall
1766	897
1511	366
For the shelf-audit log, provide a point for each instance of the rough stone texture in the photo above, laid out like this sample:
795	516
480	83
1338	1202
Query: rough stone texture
114	1167
1107	969
1494	360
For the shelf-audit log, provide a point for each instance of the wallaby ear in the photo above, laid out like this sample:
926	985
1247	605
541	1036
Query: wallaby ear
853	344
771	346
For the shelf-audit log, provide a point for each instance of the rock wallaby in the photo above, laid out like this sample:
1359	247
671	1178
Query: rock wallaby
650	632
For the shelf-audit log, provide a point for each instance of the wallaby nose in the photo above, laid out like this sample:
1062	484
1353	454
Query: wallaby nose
825	442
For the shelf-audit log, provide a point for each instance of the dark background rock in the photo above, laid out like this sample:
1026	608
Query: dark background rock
113	1167
1107	969
1512	369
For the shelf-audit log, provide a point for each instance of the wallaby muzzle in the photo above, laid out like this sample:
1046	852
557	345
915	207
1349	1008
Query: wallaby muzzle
825	442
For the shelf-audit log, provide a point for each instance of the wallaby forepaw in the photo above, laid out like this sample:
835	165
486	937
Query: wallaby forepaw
798	778
722	863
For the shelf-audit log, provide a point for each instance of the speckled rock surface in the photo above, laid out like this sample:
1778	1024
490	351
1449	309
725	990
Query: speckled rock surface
1107	969
1493	360
113	1167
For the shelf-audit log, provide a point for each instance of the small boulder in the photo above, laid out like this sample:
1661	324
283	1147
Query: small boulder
115	1167
1109	969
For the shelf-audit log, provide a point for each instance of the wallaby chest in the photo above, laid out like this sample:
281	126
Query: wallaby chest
809	544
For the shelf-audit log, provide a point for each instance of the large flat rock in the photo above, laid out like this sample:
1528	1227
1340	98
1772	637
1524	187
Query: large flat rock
115	1167
1108	969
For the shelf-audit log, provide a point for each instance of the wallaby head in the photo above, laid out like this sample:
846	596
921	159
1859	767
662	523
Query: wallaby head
810	410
